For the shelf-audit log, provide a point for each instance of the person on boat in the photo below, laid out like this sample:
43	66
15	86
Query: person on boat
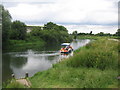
69	47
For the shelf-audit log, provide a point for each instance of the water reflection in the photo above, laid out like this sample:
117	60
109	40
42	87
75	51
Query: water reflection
6	70
32	61
18	62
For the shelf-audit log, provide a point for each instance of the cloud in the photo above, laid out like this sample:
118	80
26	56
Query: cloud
27	1
95	28
78	12
74	11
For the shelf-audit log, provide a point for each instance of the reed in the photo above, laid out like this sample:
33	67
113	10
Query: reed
92	66
101	54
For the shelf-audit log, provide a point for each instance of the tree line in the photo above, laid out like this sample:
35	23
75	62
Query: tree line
75	34
50	32
17	30
11	30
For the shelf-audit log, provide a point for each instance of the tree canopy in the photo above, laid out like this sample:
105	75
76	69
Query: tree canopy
18	30
6	24
52	33
75	34
53	26
118	32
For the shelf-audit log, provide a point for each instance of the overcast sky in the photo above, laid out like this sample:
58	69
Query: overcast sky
81	15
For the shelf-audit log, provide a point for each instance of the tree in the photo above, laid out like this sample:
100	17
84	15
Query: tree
100	34
118	32
49	26
53	26
75	34
90	32
6	24
18	30
63	28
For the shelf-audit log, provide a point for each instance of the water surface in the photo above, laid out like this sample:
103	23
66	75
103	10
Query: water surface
32	61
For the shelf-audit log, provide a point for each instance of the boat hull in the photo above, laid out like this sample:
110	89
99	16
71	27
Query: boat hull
62	52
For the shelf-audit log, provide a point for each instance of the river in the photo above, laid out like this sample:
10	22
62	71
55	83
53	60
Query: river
32	61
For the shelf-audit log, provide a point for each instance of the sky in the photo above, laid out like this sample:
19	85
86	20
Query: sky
76	15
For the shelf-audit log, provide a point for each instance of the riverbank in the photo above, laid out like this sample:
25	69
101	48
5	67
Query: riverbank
22	45
92	66
95	37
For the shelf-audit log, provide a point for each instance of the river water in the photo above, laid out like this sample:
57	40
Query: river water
32	61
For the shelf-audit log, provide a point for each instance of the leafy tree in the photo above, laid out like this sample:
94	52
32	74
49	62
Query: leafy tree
107	34
62	28
75	34
18	30
52	33
53	26
100	34
118	32
36	28
49	26
90	32
6	24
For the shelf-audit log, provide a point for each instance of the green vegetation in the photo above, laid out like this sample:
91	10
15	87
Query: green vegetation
49	33
15	85
88	37
6	24
97	55
15	33
74	34
22	45
52	33
18	31
92	66
118	32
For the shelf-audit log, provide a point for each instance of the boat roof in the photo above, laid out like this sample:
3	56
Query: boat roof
65	44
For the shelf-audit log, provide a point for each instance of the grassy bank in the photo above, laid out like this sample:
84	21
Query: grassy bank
92	66
14	84
95	37
21	45
88	37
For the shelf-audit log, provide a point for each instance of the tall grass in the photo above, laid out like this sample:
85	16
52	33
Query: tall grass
92	66
68	77
88	37
101	54
14	84
22	45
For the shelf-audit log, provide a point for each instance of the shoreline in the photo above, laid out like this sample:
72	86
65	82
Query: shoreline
66	66
69	73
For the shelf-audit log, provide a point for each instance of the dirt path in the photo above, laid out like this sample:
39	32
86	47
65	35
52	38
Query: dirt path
24	82
114	40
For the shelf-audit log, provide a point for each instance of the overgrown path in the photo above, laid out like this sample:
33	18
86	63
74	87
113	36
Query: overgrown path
24	82
92	66
114	39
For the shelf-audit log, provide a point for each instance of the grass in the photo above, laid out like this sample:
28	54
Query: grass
95	37
75	78
88	37
15	84
92	66
21	45
101	54
12	84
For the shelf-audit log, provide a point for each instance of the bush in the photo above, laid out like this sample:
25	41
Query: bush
99	54
15	84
